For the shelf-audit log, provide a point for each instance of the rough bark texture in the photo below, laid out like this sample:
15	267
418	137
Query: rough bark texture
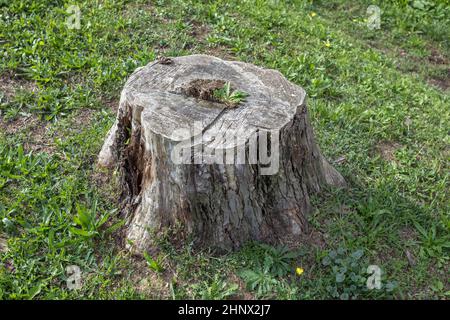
217	205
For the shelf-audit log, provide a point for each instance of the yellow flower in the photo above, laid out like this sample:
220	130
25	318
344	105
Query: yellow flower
327	43
299	271
313	14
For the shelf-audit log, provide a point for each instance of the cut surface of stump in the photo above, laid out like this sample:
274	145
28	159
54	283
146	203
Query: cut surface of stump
223	176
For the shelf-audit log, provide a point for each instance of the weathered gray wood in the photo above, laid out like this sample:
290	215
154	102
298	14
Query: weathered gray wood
218	205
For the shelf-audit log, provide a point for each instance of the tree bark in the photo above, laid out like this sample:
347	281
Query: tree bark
165	107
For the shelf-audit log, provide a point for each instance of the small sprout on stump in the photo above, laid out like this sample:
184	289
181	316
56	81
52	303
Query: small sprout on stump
214	90
231	98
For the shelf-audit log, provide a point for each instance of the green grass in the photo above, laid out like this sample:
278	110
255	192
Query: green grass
378	103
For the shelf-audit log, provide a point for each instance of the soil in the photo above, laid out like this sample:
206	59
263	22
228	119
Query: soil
9	85
437	58
387	149
203	89
441	82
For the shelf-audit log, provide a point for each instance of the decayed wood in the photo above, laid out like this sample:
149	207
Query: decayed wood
217	205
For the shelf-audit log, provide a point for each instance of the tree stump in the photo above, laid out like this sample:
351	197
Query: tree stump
223	174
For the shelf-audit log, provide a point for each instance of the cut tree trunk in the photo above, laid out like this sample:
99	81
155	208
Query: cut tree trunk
221	173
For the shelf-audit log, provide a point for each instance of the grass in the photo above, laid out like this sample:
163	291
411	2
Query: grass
379	104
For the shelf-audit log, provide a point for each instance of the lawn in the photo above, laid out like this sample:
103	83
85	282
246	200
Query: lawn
380	106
